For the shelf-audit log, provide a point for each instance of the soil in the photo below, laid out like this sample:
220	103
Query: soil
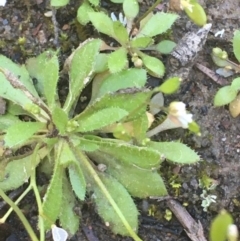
219	144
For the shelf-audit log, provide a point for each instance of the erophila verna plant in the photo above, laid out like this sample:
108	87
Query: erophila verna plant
228	94
75	149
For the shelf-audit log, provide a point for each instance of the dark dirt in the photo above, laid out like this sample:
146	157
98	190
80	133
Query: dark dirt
219	145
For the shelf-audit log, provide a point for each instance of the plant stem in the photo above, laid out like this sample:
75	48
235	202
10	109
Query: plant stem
36	193
80	156
20	215
148	11
4	218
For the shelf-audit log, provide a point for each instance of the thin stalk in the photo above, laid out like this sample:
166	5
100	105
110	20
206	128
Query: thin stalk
36	193
5	217
146	13
80	156
20	215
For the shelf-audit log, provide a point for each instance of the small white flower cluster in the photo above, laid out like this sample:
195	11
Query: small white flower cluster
3	2
207	200
179	115
121	19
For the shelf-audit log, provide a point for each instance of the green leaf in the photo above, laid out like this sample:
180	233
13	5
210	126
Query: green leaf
157	24
94	2
175	152
139	182
123	201
18	171
101	63
120	33
102	23
170	86
141	157
133	101
77	180
165	46
7	121
130	78
7	91
100	119
60	119
21	132
83	11
117	60
68	218
18	71
236	84
236	44
52	200
196	13
59	3
224	96
154	66
80	71
219	226
45	69
141	42
130	8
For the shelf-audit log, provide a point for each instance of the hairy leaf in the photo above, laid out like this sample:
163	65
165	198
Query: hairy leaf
45	69
170	86
141	157
157	24
175	152
141	42
130	8
236	84
131	78
83	11
123	201
100	119
60	119
7	121
94	2
17	96
17	172
79	78
120	33
139	182
20	72
224	96
117	60
101	63
153	65
134	102
68	218
165	46
77	180
196	13
236	44
21	132
52	199
219	226
102	23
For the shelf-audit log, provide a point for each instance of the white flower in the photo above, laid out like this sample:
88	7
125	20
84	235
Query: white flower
59	234
232	233
207	200
121	19
3	2
179	115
